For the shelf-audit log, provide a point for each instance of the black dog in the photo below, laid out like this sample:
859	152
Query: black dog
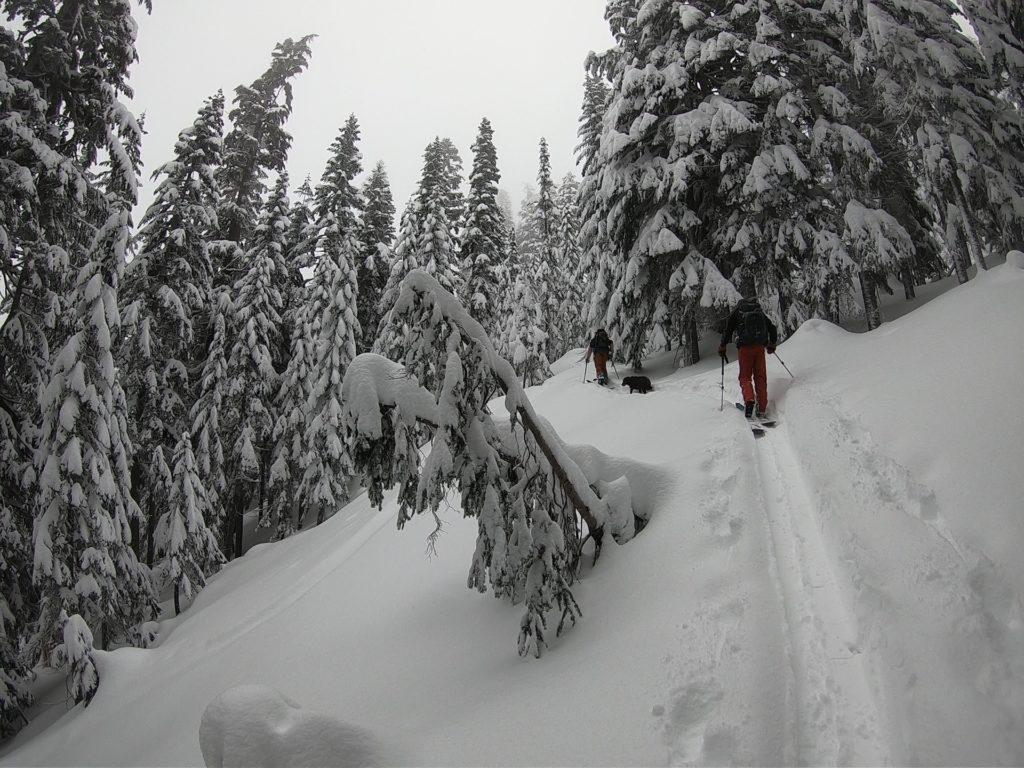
635	383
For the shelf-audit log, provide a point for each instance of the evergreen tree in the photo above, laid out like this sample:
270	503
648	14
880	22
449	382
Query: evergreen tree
527	233
301	241
404	259
528	337
206	420
376	236
182	535
548	274
290	449
328	466
257	145
168	285
63	75
252	373
301	475
571	312
483	233
450	184
425	236
84	562
999	25
933	83
16	592
595	100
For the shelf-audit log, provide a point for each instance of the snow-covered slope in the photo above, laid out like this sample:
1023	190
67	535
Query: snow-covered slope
847	590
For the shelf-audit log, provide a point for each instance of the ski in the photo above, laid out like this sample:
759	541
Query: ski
754	423
607	384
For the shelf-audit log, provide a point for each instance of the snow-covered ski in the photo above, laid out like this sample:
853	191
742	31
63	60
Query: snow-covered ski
606	384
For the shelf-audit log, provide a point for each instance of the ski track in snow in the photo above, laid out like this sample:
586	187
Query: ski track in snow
836	719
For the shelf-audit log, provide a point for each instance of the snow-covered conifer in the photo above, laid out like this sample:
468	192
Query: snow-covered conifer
572	310
966	140
450	185
404	259
84	562
257	143
483	233
424	237
327	466
595	100
168	284
528	235
61	77
301	241
15	575
182	536
326	327
528	335
206	418
549	277
999	25
252	373
376	237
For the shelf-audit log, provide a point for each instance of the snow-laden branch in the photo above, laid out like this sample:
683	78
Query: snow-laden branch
515	478
590	507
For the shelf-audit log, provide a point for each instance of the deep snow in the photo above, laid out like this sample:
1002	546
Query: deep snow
846	590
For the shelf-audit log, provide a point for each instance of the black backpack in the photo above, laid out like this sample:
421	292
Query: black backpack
601	343
751	326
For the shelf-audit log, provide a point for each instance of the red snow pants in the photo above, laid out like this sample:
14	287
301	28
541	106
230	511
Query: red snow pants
752	365
601	363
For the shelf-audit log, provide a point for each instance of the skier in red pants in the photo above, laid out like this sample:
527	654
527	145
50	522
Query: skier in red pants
755	334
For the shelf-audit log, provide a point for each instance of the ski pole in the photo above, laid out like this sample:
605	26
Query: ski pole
722	406
784	365
616	369
585	369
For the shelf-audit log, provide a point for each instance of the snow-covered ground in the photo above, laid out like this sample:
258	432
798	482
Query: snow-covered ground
846	590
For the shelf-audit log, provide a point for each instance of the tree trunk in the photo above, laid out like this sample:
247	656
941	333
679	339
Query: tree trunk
907	278
747	285
959	263
973	244
688	352
872	312
238	522
560	475
150	533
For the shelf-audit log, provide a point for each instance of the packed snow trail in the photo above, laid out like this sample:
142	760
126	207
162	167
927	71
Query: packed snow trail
834	715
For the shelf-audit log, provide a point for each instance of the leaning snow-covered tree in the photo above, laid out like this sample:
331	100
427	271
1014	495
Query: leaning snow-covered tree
256	146
515	477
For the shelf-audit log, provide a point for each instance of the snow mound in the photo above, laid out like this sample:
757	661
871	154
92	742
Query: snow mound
569	360
1015	260
256	725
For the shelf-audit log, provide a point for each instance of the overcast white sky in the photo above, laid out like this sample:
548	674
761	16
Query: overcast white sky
410	70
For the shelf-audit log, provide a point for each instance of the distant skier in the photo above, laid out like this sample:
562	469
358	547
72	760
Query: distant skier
755	334
601	347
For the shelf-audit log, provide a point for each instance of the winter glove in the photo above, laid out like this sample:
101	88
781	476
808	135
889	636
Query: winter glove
771	350
721	351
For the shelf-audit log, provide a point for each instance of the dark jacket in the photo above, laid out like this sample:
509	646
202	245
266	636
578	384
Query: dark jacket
601	343
746	305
